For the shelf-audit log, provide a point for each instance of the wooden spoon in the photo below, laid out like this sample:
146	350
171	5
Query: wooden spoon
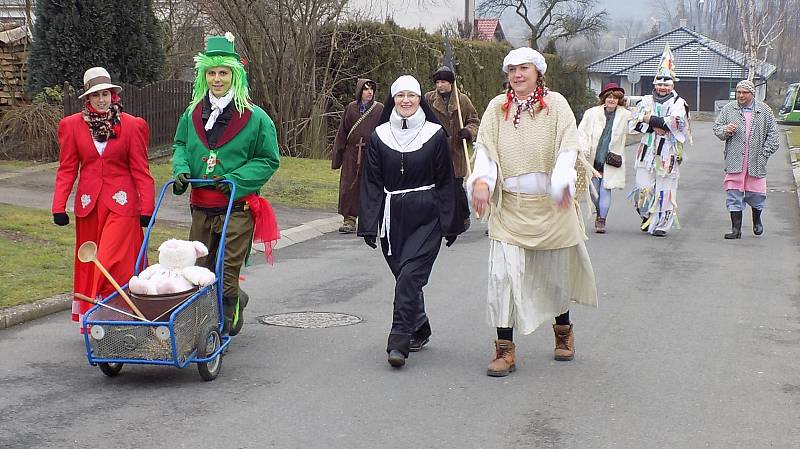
88	253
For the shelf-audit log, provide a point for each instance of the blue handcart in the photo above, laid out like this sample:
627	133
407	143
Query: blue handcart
191	333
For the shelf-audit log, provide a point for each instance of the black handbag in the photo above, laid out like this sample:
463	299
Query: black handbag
614	159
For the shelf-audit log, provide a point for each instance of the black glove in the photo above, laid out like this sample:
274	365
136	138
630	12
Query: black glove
61	218
181	183
658	122
449	240
370	241
224	187
144	220
464	133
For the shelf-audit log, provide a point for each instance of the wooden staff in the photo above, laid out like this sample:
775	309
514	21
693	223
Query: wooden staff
460	127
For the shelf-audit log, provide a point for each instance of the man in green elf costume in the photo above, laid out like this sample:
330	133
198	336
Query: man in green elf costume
224	136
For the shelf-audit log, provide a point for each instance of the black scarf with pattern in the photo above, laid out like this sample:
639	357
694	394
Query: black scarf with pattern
103	125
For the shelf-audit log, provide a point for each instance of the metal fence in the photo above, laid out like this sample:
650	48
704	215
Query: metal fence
160	104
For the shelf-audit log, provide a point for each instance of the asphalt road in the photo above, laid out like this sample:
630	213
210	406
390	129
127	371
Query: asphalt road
696	344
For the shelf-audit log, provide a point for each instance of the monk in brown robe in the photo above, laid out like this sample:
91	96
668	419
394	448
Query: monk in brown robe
444	106
350	149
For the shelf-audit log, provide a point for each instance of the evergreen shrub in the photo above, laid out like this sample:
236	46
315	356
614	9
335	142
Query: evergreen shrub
70	37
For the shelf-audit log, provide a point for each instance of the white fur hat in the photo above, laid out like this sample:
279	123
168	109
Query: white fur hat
97	79
525	55
406	82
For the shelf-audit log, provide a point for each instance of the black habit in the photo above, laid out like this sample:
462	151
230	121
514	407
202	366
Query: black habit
413	165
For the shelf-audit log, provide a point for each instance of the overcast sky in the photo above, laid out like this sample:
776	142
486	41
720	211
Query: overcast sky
408	14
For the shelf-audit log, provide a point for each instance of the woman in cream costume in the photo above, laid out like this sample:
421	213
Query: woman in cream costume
525	178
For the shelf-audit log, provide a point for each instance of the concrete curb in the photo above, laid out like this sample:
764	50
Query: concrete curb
794	159
29	312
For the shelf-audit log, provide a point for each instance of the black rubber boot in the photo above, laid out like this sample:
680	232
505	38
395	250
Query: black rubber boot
233	309
228	312
736	226
758	227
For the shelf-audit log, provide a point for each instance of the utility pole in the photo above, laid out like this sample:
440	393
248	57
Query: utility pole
469	15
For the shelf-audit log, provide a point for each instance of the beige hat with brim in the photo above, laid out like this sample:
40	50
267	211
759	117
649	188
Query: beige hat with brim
97	79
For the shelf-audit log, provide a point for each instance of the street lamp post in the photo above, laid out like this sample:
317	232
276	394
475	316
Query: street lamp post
699	54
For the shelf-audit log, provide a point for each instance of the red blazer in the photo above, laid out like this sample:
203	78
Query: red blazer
120	178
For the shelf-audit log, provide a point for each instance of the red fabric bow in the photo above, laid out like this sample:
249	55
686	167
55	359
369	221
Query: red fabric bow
266	224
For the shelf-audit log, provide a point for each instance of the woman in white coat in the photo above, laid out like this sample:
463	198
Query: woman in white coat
604	128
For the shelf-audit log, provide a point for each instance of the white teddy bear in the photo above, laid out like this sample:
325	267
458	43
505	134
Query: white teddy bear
176	270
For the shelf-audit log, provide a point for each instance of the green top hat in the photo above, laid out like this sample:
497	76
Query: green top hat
221	46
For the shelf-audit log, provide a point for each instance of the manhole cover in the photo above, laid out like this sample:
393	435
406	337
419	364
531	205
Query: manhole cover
310	320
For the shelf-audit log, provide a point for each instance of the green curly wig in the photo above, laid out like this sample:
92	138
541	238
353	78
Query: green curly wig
241	93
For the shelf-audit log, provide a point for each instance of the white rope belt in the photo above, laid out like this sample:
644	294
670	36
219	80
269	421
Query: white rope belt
387	210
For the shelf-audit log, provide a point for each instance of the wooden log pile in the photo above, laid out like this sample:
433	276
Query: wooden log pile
15	43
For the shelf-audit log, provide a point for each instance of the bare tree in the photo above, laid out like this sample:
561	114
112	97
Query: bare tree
552	19
279	39
457	28
758	32
183	30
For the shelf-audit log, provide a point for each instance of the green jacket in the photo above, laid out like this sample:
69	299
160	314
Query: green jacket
247	152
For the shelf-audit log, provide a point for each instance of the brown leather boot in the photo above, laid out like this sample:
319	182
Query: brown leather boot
565	342
348	225
504	359
600	225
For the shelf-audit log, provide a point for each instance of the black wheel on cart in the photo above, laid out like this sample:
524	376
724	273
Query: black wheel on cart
209	342
110	369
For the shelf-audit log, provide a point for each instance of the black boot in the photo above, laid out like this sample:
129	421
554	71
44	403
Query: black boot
736	226
758	227
398	348
233	309
420	337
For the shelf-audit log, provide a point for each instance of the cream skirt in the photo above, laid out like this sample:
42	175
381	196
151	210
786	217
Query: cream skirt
529	287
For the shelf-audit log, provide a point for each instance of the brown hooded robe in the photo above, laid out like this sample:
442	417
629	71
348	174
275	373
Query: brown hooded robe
350	149
448	116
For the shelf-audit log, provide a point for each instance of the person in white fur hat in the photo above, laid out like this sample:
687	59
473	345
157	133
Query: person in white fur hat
408	201
525	179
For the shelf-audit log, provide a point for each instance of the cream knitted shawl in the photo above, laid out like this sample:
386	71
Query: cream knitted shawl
534	146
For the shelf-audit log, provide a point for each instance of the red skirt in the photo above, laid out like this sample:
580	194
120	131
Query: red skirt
118	241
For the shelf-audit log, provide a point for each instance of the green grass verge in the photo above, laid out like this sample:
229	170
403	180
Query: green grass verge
36	256
16	165
793	136
299	182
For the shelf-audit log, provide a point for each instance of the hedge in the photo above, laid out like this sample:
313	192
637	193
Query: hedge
386	51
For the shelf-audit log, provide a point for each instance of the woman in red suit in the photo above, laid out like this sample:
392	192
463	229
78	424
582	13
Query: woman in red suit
114	198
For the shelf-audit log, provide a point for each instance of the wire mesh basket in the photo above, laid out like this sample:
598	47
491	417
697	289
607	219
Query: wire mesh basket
152	341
